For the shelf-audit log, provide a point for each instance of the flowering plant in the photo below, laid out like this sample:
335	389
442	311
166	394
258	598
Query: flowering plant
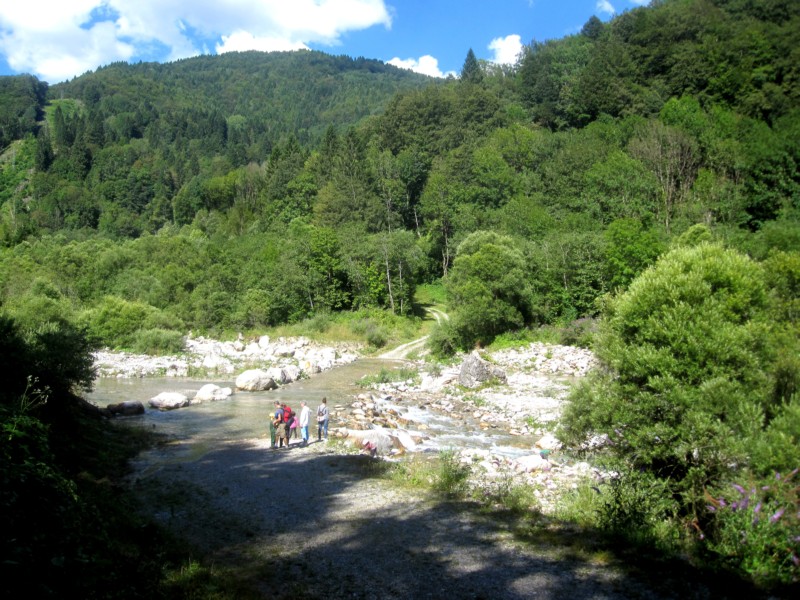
756	528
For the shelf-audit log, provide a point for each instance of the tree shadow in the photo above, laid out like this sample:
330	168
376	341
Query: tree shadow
275	518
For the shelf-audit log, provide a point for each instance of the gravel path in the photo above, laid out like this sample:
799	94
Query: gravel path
306	522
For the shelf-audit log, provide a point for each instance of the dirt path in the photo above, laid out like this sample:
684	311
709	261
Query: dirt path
404	350
306	522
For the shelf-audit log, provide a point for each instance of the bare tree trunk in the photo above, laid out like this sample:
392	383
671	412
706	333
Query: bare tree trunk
400	279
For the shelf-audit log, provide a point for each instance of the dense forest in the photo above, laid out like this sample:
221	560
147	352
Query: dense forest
245	191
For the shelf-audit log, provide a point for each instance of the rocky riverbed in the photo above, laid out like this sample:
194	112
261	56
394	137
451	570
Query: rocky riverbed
312	521
513	394
205	357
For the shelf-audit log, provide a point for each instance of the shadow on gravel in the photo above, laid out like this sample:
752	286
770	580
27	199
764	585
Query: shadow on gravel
301	524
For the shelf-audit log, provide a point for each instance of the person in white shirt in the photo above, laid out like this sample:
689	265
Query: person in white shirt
305	413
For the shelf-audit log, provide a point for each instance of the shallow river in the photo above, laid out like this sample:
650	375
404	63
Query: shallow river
245	414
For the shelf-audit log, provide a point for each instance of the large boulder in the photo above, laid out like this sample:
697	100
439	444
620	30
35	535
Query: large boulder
291	373
128	408
211	393
548	442
380	437
169	401
475	371
530	463
279	375
255	380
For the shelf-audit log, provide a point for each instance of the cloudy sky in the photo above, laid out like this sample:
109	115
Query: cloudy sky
60	39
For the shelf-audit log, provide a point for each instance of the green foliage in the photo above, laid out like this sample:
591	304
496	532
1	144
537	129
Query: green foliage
21	101
487	289
158	342
633	506
115	321
754	529
388	376
55	465
630	248
452	476
688	400
580	332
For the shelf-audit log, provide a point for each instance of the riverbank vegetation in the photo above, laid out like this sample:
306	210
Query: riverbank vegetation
634	187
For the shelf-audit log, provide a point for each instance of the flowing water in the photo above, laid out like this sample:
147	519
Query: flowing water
245	414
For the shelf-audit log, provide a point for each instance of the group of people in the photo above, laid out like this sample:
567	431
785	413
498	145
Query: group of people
285	423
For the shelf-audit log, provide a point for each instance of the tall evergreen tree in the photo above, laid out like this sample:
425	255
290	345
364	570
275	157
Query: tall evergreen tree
471	71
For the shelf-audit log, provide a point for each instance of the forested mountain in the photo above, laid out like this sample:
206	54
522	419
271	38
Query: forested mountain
346	182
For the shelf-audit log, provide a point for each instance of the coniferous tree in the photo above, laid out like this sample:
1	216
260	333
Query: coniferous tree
471	71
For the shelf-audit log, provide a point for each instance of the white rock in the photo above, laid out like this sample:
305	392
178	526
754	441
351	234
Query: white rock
291	373
548	441
532	462
212	392
169	401
255	380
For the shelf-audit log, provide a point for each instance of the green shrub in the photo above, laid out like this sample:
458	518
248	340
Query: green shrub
488	289
694	395
452	477
320	322
388	376
158	342
114	321
687	355
579	333
754	529
376	336
633	506
443	340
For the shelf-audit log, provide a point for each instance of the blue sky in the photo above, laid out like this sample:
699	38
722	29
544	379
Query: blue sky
60	39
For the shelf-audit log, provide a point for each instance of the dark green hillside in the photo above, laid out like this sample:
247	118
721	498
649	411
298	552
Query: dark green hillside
741	54
262	97
22	99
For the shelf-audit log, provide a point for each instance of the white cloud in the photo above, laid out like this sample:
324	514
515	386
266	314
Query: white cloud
240	41
506	50
604	6
640	2
426	65
58	39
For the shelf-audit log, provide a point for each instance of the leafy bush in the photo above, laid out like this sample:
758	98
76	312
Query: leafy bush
755	528
377	336
443	340
114	321
634	506
488	289
158	342
388	376
579	333
320	322
689	359
452	477
688	398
